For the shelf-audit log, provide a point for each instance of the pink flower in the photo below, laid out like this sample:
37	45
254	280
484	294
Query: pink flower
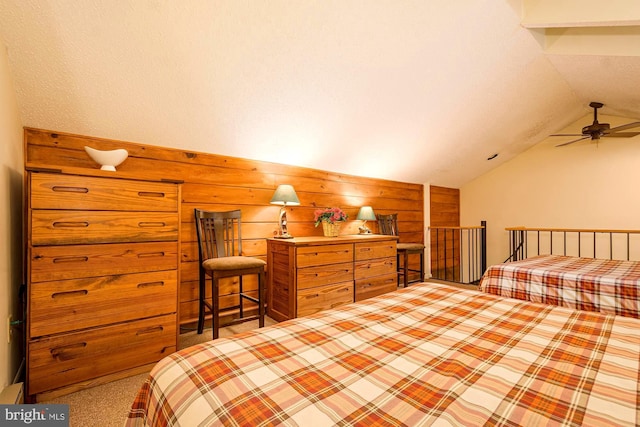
330	215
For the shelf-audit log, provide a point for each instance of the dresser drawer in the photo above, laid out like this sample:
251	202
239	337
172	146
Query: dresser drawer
368	288
375	267
312	277
54	227
364	251
322	255
49	263
324	297
84	303
71	358
55	191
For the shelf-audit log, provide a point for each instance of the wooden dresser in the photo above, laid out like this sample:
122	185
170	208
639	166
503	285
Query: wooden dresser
102	278
310	274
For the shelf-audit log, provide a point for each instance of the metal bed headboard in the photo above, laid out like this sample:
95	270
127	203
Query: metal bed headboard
581	242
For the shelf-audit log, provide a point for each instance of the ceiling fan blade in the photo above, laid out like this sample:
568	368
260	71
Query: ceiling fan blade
624	127
567	134
621	134
571	142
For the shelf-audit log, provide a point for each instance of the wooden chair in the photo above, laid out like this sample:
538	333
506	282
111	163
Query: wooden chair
389	225
220	250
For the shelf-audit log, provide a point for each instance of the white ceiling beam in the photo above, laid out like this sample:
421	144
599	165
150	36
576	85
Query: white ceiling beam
617	41
584	27
580	13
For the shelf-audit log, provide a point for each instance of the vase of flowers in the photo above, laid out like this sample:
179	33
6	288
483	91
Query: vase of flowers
331	220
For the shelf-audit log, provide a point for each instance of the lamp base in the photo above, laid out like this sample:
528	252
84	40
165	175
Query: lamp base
363	229
284	236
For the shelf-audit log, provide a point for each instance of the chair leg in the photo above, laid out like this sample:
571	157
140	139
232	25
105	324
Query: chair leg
201	298
261	299
240	297
405	267
422	266
215	321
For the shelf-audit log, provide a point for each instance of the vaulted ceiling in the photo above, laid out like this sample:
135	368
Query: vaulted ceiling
420	91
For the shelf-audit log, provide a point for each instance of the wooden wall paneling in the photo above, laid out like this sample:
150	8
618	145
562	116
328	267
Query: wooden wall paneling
445	212
63	149
444	206
224	183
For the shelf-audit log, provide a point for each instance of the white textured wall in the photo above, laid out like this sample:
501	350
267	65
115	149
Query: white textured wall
10	216
583	185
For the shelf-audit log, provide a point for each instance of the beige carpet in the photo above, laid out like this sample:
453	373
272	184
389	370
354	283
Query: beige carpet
107	405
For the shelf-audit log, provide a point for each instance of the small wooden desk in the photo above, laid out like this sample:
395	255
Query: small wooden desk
310	274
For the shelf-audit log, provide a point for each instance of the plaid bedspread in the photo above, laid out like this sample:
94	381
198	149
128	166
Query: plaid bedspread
428	354
607	286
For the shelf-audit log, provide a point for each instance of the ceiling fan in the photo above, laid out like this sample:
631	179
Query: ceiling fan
597	130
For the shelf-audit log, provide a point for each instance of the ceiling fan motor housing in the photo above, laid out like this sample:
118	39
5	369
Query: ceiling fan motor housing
596	129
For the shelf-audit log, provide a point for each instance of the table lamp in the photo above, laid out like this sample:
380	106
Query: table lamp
285	196
365	214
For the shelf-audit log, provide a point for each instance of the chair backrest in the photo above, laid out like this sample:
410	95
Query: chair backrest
219	233
388	224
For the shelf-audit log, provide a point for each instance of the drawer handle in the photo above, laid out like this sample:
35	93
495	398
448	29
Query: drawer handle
150	194
71	224
150	284
368	285
144	224
71	259
336	252
77	293
150	254
66	352
344	290
365	249
63	189
150	330
336	304
312	296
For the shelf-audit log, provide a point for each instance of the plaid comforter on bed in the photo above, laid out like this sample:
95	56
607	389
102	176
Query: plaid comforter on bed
607	286
426	354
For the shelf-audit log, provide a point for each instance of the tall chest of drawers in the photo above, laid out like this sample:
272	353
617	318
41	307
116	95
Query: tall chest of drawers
102	279
310	274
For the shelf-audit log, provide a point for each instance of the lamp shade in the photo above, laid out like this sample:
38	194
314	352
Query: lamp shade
366	214
285	195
